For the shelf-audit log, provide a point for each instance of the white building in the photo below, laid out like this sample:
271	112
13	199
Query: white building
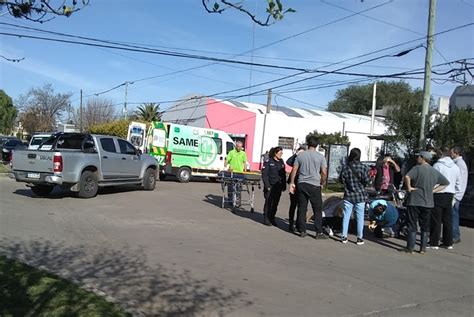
283	126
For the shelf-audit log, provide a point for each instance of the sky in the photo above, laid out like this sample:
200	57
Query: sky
318	33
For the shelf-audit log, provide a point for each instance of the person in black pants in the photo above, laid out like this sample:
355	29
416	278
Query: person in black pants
443	200
311	168
293	198
274	181
422	181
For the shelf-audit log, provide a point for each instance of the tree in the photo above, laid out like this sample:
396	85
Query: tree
358	98
42	10
274	10
403	125
41	108
325	139
45	10
97	111
148	112
8	113
457	129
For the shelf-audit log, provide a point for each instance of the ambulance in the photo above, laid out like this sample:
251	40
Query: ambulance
185	151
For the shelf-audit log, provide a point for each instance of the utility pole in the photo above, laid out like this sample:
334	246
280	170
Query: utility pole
372	120
269	109
80	114
124	111
427	79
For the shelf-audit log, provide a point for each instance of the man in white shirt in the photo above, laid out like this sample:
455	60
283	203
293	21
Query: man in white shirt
458	160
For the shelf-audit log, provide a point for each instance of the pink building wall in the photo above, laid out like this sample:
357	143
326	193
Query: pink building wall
236	120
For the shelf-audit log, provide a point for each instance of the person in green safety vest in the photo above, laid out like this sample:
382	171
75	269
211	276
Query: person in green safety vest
236	161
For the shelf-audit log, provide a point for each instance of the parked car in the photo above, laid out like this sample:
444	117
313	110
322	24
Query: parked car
37	139
83	163
8	146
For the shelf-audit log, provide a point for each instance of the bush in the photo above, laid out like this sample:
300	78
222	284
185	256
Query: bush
117	128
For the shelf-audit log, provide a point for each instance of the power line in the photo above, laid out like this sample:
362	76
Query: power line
382	21
201	66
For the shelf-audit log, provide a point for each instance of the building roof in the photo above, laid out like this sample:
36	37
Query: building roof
296	112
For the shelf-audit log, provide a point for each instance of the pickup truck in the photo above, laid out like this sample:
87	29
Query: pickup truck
83	163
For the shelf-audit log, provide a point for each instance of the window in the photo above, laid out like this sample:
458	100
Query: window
218	145
126	148
108	145
37	140
286	143
70	142
229	146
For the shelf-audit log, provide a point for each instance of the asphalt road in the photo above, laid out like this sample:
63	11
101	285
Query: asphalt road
174	252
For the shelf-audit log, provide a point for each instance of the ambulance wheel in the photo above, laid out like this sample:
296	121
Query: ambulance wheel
213	179
162	176
184	174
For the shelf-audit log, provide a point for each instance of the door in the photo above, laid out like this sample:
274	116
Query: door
109	158
129	160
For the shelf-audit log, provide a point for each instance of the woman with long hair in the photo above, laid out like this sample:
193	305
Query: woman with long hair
274	181
355	177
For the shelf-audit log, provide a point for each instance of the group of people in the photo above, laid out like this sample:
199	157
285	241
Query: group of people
434	194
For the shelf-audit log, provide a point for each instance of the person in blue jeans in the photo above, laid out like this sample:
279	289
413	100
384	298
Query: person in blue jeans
383	218
355	177
456	155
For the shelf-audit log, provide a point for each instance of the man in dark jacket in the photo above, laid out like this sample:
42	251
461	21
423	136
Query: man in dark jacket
274	181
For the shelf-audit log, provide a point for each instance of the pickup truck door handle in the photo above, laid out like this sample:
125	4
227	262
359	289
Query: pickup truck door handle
105	157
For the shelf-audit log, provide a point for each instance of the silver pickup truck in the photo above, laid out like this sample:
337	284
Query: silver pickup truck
83	163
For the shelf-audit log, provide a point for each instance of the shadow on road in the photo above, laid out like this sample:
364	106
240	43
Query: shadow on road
124	275
60	193
244	212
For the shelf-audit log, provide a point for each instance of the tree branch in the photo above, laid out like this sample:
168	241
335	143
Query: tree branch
274	10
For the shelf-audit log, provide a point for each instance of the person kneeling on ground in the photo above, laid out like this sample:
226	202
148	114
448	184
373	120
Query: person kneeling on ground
383	218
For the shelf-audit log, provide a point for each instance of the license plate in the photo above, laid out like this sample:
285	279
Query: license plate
33	175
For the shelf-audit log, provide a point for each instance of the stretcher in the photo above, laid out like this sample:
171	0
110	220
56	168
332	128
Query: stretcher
235	184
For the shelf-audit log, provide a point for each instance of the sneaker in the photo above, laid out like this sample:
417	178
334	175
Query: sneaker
449	247
302	234
456	241
432	247
360	241
409	251
320	236
343	239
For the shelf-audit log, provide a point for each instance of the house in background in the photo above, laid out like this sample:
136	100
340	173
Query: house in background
281	126
462	98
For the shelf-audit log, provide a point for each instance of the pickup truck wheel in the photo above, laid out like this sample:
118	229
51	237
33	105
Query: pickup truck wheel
149	179
88	185
42	190
184	174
